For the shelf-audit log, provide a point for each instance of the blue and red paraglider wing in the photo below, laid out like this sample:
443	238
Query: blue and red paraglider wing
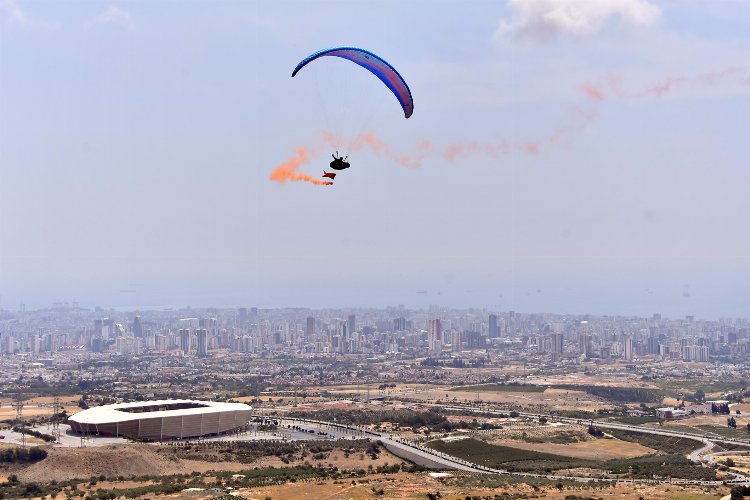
375	65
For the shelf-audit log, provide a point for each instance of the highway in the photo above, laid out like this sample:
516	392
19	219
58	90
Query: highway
406	447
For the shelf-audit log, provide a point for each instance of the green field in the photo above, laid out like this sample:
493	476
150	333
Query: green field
671	462
504	457
664	444
726	431
635	420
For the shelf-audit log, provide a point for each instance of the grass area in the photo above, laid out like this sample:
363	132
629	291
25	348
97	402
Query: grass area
661	466
625	419
500	388
581	414
664	444
726	431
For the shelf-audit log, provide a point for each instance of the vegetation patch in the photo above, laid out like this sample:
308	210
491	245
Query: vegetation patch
667	445
618	394
287	451
505	457
22	455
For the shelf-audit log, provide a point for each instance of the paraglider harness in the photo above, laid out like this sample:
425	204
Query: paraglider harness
339	163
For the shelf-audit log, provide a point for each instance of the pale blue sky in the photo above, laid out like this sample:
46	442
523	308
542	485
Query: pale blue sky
137	138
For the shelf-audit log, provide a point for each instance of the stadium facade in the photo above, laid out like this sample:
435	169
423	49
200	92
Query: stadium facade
162	420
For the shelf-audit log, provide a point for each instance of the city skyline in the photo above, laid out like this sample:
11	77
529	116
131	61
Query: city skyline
550	165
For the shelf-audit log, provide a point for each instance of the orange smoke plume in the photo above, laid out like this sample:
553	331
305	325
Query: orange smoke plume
576	120
612	85
289	170
379	147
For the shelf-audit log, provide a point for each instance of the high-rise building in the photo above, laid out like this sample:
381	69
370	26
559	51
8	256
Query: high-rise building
556	339
494	332
351	322
185	340
399	324
202	335
310	328
243	316
434	336
109	326
98	324
585	345
628	348
455	340
137	327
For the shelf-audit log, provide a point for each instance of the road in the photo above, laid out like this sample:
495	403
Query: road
448	461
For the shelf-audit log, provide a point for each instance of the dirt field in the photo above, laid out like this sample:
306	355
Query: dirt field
595	449
560	399
142	459
416	486
70	463
39	407
718	423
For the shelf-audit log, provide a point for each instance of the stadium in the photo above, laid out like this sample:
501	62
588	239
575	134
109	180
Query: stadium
162	420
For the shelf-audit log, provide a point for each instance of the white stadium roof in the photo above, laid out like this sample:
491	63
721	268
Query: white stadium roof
125	412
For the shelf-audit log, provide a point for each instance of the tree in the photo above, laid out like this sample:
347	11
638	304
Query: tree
699	395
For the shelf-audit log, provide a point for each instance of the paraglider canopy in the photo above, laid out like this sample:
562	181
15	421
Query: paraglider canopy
375	65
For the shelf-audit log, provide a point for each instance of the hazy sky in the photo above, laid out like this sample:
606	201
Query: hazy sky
563	156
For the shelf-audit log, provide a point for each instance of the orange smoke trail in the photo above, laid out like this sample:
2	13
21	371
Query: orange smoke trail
379	147
575	122
612	86
289	170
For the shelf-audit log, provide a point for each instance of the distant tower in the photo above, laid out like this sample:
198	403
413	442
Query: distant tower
185	340
351	323
243	316
109	327
455	341
628	348
494	332
585	345
557	343
399	324
137	327
202	342
435	336
310	328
